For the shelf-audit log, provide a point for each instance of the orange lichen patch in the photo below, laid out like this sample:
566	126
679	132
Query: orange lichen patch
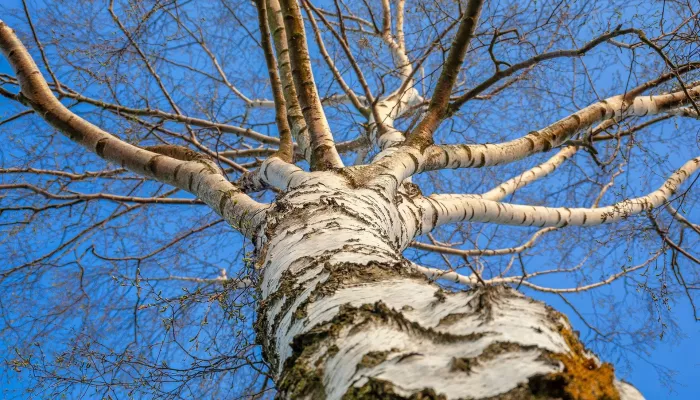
584	378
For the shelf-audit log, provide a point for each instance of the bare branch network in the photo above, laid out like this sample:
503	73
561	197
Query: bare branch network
389	181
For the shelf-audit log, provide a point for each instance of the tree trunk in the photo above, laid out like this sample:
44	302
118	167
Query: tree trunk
344	315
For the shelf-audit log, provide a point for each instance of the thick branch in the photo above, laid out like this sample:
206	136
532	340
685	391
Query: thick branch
300	131
406	161
482	155
438	210
286	149
422	135
323	152
193	175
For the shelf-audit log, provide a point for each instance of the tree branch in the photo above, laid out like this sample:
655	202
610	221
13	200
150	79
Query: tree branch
438	210
482	155
422	136
480	88
194	175
680	218
286	149
331	65
298	125
323	151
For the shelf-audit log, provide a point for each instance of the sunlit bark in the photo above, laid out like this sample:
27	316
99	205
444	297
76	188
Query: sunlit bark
334	277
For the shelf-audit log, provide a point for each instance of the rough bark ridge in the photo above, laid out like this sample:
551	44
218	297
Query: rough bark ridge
344	315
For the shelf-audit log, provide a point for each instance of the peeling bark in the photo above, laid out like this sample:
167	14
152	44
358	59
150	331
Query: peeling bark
345	315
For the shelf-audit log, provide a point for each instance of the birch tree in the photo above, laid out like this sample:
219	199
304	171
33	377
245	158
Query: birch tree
310	199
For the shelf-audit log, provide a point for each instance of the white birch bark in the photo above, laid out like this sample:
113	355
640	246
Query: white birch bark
388	110
483	155
176	166
344	315
442	209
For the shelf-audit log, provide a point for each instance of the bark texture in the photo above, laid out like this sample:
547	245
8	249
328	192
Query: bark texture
344	315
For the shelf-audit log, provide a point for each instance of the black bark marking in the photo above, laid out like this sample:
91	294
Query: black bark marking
435	213
177	171
469	155
547	145
415	162
222	203
604	109
151	164
267	178
578	120
100	147
531	143
482	160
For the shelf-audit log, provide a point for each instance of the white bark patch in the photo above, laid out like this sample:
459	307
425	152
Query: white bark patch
324	226
388	110
627	391
443	209
414	364
514	319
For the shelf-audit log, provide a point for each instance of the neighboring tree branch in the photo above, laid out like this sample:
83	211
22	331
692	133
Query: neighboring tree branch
680	218
664	236
483	252
524	280
98	196
500	74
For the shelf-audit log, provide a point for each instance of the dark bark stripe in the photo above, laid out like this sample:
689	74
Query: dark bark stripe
100	147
